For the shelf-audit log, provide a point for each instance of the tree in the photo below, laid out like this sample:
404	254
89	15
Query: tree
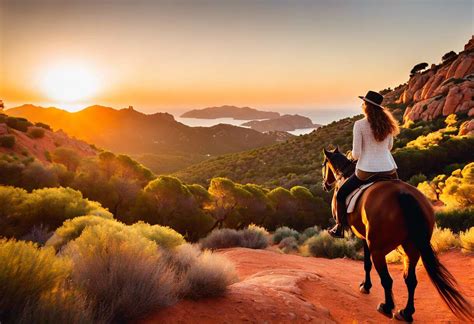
66	156
418	68
448	56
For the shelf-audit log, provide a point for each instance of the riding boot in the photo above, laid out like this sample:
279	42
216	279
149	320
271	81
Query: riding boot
338	230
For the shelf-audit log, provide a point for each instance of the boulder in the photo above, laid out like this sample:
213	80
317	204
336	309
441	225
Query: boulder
3	129
453	99
467	128
464	68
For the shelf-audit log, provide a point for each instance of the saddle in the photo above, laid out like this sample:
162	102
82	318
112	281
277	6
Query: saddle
353	197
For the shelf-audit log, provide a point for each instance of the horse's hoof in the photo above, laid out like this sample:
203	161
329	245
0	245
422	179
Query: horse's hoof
401	316
364	290
381	308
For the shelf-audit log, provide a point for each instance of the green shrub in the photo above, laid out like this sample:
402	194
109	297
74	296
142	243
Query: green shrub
7	141
324	245
257	228
73	228
288	244
253	239
164	236
225	238
282	232
121	273
456	219
18	123
43	125
26	273
36	132
467	240
309	232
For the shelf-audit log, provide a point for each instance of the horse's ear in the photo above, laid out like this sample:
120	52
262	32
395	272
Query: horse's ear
326	152
336	150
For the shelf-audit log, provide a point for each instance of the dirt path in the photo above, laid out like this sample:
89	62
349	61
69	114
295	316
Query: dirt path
279	288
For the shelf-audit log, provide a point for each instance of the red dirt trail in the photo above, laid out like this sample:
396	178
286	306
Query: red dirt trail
280	288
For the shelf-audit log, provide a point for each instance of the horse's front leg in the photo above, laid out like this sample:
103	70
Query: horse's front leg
367	283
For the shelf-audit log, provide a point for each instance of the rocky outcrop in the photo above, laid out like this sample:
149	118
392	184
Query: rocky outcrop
467	128
444	89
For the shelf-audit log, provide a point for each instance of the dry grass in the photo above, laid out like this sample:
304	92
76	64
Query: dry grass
467	240
27	273
124	275
443	240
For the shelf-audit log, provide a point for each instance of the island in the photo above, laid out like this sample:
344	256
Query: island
283	123
238	113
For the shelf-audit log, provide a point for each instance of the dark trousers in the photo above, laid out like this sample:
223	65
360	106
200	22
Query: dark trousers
351	184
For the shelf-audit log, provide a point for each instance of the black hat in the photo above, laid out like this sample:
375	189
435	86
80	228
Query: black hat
374	98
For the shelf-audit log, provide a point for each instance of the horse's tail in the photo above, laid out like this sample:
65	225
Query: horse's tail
442	279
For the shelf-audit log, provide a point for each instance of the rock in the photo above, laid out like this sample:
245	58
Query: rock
452	100
464	68
467	128
471	112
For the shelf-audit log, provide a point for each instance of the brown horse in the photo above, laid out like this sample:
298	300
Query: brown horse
389	214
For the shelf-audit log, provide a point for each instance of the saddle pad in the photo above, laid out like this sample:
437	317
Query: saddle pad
351	200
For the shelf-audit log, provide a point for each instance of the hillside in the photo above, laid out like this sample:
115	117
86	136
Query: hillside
132	132
283	123
19	137
239	113
281	288
298	160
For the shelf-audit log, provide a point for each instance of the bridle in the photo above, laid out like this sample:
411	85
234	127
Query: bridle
339	175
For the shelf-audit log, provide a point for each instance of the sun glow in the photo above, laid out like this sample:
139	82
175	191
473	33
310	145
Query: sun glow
69	82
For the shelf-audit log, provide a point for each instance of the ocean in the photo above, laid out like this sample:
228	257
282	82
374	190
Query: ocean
318	116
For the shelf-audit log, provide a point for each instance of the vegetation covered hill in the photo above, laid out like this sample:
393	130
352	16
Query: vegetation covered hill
129	131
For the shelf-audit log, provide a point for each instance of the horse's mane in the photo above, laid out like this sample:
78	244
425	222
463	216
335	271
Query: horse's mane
342	163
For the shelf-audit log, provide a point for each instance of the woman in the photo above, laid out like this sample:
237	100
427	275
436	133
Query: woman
372	142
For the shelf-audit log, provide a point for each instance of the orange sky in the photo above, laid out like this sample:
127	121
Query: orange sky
170	55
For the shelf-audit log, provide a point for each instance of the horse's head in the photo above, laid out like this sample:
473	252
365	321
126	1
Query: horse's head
335	166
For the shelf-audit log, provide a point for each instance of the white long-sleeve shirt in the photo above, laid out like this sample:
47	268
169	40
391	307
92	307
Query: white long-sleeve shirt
372	156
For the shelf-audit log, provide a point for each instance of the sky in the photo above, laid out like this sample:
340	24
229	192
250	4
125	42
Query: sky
177	55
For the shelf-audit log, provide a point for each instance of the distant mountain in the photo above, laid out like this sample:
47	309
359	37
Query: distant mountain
132	132
283	123
239	113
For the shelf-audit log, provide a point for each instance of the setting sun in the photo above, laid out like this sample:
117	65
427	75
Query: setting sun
69	82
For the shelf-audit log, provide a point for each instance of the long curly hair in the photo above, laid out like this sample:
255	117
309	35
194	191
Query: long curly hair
381	121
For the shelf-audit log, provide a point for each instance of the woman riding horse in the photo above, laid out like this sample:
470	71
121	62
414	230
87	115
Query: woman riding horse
372	142
388	213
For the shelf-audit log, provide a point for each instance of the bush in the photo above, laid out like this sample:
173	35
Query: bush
122	274
221	239
457	220
73	228
395	256
26	273
283	232
208	276
288	244
309	232
43	125
324	245
257	228
7	141
225	238
164	236
36	132
253	239
443	239
18	123
467	240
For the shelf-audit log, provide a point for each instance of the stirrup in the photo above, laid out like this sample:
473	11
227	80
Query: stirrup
337	231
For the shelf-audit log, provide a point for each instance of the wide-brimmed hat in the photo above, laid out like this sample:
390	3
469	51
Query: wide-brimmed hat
373	97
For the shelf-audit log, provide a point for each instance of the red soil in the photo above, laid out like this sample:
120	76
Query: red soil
279	288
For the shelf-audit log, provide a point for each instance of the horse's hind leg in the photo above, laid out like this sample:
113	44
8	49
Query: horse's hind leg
411	260
380	264
367	283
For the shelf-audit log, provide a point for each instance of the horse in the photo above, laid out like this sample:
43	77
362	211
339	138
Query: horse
390	214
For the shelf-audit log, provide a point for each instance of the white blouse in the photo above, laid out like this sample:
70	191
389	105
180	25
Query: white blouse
372	156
